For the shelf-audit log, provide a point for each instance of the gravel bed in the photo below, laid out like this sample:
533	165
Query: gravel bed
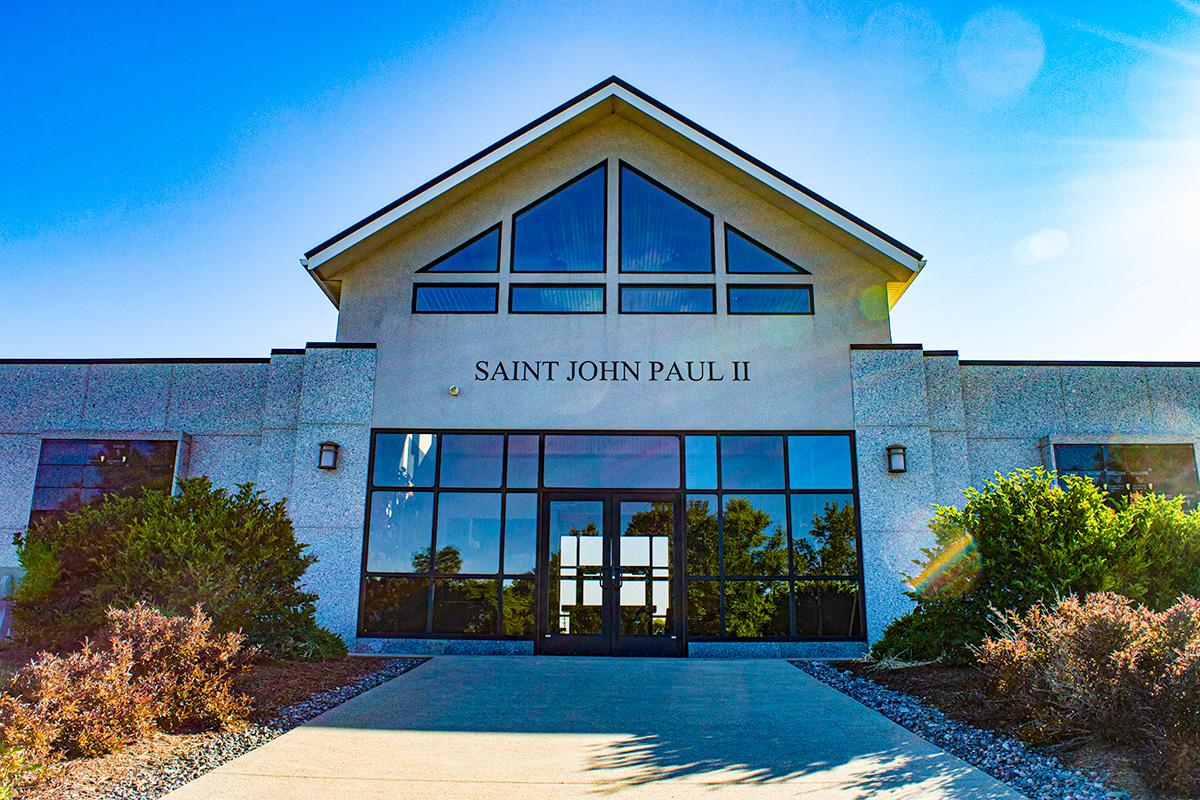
1015	763
155	781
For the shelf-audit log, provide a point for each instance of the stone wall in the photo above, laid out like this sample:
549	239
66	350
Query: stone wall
237	421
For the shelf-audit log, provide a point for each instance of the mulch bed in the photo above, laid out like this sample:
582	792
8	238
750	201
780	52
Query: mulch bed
273	686
961	693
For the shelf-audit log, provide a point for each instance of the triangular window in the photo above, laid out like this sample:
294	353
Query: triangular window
745	256
563	231
661	231
481	254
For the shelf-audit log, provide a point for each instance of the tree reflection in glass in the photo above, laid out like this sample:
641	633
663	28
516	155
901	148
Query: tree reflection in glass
829	545
646	556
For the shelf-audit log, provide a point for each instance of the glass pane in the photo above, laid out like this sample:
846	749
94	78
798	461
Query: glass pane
395	605
64	451
704	608
468	532
522	462
703	557
563	232
1173	471
824	541
828	608
520	533
757	608
1085	460
748	257
68	475
700	461
819	462
481	254
754	535
751	462
557	300
56	499
160	453
661	232
518	607
576	562
770	300
432	299
472	460
625	462
400	532
405	459
667	300
465	606
646	555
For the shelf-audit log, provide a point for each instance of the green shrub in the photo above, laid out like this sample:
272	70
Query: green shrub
235	554
1108	667
147	671
1037	539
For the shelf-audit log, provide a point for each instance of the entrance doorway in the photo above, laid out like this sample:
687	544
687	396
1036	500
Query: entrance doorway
611	563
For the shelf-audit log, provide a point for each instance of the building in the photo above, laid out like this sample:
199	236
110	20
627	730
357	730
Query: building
610	386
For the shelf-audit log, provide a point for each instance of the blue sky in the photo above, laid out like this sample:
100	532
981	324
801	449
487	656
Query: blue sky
164	165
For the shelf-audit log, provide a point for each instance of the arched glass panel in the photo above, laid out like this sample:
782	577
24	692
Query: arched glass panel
660	231
745	256
563	231
481	254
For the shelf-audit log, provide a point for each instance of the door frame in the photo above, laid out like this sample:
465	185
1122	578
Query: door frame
610	642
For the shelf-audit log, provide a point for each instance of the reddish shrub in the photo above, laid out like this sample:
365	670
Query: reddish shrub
1106	666
146	669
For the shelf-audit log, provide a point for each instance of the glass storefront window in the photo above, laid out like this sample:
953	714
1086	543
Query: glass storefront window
520	533
828	608
395	605
468	532
601	461
405	459
824	535
465	606
819	462
700	458
522	461
703	553
751	462
472	460
754	535
401	532
757	608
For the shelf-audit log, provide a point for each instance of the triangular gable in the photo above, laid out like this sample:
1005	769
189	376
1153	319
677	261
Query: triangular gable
900	262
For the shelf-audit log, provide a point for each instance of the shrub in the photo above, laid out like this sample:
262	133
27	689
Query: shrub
1106	666
1038	538
236	554
146	671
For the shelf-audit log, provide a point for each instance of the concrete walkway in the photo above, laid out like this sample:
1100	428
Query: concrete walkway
545	727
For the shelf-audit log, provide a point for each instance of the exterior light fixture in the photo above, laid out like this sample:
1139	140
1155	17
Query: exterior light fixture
454	391
897	462
329	455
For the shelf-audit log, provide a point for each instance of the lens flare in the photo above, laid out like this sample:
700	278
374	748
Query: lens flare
949	573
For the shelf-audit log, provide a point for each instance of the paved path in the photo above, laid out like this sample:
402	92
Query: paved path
545	727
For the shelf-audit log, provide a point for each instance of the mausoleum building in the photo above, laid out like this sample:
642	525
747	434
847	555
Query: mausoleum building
611	386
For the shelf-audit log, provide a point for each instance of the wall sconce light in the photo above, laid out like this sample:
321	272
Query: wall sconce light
897	462
454	391
329	455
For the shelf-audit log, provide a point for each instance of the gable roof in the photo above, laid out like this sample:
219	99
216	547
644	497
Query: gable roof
899	261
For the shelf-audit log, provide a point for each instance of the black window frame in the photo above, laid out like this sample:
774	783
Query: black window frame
621	294
499	239
603	297
812	303
512	239
769	251
684	493
447	285
712	226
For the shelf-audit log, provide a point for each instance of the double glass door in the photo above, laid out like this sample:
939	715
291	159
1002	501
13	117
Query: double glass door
610	567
